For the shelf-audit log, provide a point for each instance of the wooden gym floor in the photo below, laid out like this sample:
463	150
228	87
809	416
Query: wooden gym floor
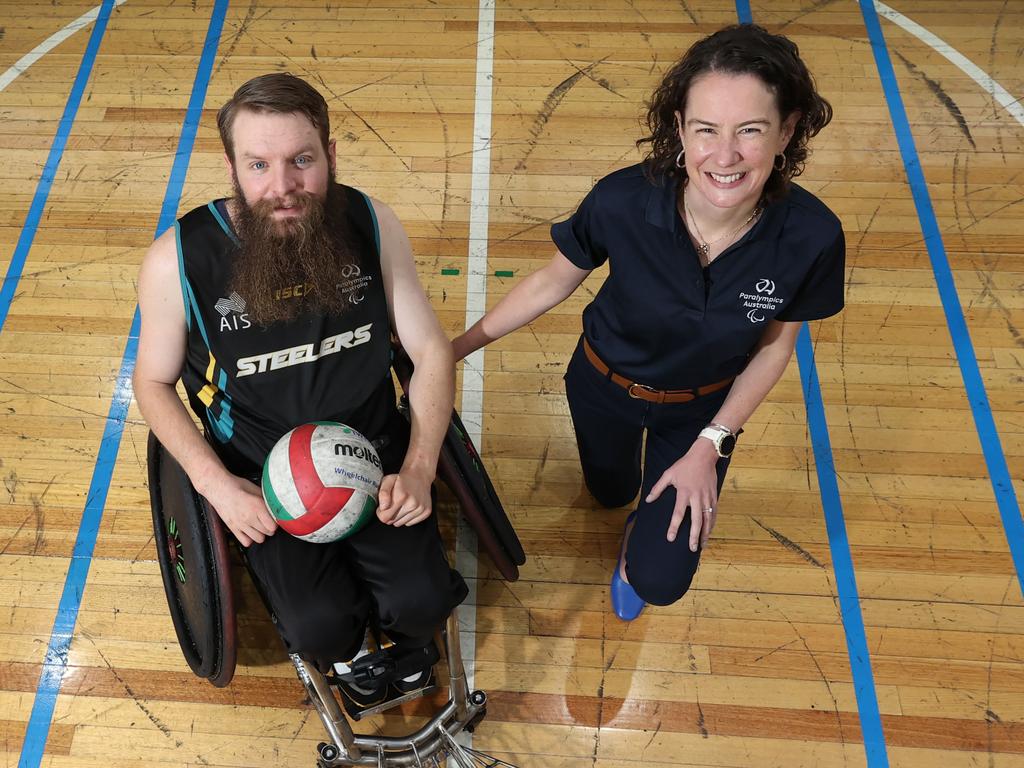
763	663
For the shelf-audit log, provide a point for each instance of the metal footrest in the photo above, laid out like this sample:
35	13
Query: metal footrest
429	746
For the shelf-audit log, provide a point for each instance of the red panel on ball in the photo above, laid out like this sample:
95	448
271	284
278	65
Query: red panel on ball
300	461
320	513
321	503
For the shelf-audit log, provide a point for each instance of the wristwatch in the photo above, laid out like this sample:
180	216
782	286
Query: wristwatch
722	437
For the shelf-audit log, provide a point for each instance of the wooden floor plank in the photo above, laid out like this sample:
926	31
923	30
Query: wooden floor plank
751	668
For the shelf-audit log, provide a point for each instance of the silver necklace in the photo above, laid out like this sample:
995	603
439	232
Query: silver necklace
704	247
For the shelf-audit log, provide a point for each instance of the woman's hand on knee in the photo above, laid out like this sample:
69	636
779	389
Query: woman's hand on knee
696	484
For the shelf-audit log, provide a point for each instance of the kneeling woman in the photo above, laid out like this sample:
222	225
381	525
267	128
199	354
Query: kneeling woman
715	258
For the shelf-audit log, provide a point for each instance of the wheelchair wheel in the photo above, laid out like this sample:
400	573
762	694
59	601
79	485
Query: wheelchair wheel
449	473
192	551
461	469
464	454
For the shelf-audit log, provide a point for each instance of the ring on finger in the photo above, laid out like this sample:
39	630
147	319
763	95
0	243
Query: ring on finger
708	510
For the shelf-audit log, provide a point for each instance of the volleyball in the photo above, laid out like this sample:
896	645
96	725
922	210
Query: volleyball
320	481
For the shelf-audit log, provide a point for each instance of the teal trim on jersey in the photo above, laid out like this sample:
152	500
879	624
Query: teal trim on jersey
181	276
212	205
191	305
216	427
373	215
195	313
223	425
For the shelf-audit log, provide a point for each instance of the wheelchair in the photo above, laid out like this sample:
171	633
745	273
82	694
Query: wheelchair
193	551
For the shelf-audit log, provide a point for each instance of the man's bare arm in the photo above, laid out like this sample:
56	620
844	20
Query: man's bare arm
405	498
161	357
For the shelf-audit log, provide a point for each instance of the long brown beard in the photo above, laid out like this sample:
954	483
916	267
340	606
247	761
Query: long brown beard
282	268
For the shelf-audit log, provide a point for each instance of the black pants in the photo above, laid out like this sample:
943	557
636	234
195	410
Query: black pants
610	427
323	595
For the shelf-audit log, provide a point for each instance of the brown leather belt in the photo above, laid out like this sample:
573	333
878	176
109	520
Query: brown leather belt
650	394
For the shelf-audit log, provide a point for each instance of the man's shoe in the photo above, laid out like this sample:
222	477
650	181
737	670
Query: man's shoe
363	697
365	694
419	662
626	603
422	679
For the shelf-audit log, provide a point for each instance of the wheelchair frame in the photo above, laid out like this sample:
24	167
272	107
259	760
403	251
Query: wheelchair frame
186	529
462	712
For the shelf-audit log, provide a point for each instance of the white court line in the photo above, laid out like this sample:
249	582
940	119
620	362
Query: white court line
476	305
49	44
969	68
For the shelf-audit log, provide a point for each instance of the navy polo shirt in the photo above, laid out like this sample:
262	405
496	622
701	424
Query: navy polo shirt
661	319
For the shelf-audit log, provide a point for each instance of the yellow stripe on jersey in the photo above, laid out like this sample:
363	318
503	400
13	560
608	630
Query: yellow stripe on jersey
207	393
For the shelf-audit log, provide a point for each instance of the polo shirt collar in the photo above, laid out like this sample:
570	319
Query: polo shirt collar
661	210
661	205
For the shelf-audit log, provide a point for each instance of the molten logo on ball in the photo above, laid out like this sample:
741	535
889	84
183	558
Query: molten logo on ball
321	480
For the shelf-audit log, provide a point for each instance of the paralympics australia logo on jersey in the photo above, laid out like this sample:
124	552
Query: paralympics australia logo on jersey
763	302
304	353
353	283
232	313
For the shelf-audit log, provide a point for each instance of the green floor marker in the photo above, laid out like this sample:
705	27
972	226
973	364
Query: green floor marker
449	271
503	273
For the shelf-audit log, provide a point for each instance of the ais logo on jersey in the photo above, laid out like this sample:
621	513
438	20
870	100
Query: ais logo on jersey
304	353
232	313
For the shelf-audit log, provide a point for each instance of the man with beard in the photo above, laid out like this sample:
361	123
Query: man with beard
275	308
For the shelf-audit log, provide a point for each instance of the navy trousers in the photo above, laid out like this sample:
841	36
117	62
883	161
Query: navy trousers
610	430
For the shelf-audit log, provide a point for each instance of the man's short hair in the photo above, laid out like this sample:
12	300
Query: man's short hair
277	92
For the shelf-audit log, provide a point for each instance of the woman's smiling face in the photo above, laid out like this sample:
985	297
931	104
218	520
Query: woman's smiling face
732	131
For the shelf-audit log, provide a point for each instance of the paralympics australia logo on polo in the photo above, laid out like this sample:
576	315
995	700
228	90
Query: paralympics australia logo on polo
763	302
304	353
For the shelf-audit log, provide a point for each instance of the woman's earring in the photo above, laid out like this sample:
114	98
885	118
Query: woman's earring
679	158
785	161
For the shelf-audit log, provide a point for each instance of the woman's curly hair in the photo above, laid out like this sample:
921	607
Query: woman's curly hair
741	49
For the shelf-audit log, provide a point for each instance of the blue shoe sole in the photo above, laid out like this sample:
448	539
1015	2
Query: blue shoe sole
626	603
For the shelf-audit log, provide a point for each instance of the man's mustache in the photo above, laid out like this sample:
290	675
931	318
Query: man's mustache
300	200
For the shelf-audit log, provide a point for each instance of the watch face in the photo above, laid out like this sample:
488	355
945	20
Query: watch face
728	444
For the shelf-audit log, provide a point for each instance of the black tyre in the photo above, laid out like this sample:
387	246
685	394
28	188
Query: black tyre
192	551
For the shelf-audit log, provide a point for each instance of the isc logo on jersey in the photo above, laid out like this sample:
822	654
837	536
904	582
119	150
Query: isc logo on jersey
304	353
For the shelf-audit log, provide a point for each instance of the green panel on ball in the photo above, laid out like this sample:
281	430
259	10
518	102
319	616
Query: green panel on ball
277	509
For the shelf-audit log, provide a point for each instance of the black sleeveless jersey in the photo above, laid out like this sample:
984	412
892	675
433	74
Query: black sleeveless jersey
249	385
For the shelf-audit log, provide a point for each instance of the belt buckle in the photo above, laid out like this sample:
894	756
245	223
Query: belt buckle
644	387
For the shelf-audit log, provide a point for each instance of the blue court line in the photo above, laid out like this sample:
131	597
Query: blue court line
838	542
56	658
842	561
60	140
743	12
999	474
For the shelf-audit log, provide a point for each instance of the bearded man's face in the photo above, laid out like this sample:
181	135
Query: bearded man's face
289	218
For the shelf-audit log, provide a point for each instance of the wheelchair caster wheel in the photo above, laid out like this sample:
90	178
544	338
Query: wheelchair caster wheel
328	752
472	724
478	698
